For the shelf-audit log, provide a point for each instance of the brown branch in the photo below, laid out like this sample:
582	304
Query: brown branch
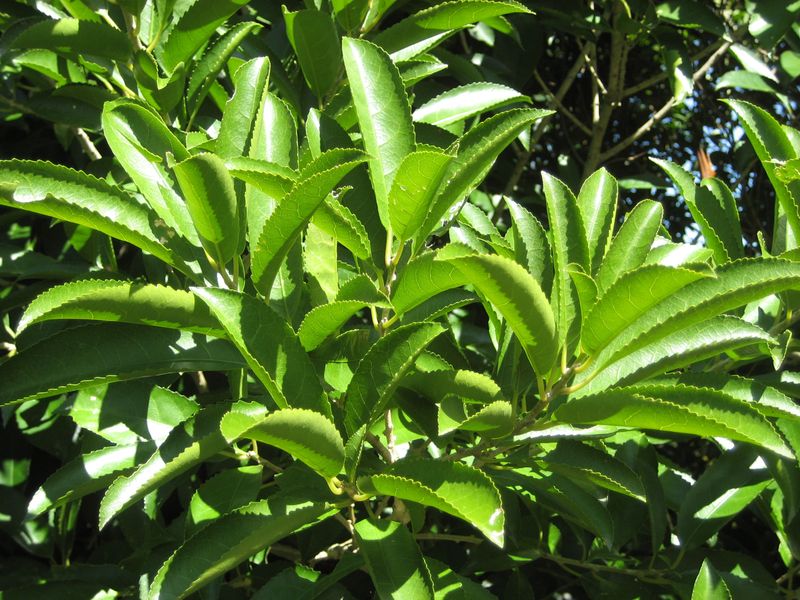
555	101
662	112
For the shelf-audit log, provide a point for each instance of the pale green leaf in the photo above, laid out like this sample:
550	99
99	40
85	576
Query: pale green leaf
452	487
86	474
519	298
463	102
630	296
631	244
476	153
123	301
413	190
384	114
338	221
250	82
325	320
304	434
597	202
683	409
394	560
63	193
424	277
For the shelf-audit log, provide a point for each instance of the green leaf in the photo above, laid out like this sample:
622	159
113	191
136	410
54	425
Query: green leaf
142	144
270	178
726	488
451	487
123	301
394	560
597	203
86	474
449	585
629	297
222	494
414	189
207	69
735	284
211	200
380	371
752	62
771	144
686	13
313	36
476	153
292	214
467	385
250	82
494	420
325	320
274	132
519	298
695	411
63	193
709	585
128	412
92	354
424	277
338	221
229	541
305	435
191	28
631	244
384	114
531	245
580	461
75	38
463	102
691	344
187	446
270	347
427	28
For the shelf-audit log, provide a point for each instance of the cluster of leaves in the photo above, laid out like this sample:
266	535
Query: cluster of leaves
291	346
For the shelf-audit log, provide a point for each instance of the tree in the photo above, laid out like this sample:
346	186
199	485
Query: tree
301	328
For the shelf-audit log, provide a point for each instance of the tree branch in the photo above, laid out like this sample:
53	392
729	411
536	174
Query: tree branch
555	101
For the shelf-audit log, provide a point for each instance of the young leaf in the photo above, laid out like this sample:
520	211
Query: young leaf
631	296
306	435
123	301
86	474
229	541
270	347
709	585
694	411
92	354
452	487
284	225
518	297
379	372
394	560
384	114
597	203
208	191
221	494
63	193
414	189
631	244
313	36
463	102
476	152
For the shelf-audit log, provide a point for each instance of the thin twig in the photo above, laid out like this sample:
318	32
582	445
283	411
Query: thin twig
89	149
559	106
